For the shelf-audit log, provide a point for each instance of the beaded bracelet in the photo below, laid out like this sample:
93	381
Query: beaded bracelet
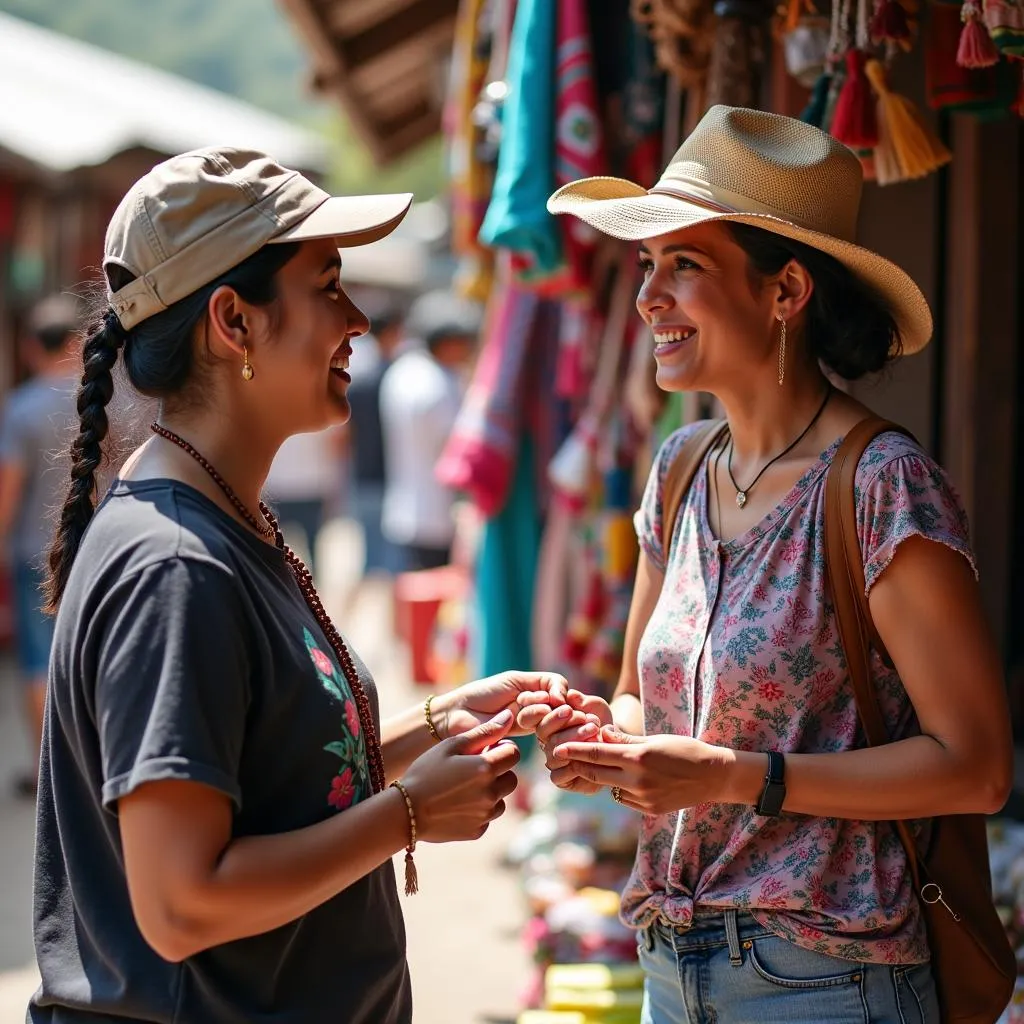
430	718
412	881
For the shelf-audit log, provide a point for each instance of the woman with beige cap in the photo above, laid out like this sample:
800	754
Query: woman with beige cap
768	883
219	802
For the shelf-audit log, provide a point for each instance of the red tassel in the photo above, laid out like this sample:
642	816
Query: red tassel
976	49
1018	103
856	122
890	24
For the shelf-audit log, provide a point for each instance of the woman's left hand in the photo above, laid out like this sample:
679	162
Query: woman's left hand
655	774
465	708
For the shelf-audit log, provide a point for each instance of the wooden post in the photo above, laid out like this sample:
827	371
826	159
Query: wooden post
983	329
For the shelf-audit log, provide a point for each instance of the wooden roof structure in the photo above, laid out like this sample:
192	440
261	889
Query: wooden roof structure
384	61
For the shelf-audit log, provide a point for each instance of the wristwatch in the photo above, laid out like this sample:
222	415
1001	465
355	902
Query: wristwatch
774	794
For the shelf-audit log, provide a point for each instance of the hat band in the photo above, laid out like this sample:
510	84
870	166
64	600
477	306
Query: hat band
662	189
716	199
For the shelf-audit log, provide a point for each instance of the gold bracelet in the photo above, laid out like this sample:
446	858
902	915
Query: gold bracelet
430	718
412	880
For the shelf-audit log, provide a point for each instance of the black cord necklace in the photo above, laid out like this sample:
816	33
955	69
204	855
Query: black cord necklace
742	492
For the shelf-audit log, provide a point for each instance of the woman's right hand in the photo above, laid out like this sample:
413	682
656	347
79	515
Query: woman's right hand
459	786
580	719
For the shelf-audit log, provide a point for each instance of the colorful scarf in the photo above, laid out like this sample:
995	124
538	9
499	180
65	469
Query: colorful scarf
517	218
470	177
579	143
480	455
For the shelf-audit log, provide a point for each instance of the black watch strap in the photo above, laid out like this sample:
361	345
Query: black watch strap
774	794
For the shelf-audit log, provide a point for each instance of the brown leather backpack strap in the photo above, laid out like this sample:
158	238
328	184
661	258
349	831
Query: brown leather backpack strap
681	473
845	571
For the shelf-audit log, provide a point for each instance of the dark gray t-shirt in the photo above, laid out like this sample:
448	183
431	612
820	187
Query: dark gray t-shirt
185	650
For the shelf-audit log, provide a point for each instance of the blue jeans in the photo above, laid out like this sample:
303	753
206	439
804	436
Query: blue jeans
728	969
33	627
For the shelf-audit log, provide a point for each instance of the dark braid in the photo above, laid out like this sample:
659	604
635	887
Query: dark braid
99	354
159	363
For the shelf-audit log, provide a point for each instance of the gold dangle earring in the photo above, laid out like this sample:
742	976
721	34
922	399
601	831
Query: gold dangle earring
782	348
248	372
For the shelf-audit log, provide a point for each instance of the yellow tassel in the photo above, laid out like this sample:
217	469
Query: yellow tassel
412	878
911	149
887	166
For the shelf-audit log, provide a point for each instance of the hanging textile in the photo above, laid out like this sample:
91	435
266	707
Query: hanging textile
579	142
510	394
643	106
479	458
506	569
517	218
470	178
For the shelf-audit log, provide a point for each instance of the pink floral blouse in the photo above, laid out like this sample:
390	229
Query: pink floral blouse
742	651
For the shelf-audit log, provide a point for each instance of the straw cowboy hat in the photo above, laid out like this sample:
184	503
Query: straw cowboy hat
766	170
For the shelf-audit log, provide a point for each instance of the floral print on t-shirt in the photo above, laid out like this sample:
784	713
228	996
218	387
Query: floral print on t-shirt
352	783
742	651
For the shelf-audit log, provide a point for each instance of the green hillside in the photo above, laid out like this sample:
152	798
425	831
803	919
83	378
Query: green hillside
243	47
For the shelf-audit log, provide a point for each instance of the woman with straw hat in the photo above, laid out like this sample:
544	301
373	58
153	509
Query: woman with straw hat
219	802
768	884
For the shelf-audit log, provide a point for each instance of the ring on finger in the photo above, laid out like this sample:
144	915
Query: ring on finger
617	794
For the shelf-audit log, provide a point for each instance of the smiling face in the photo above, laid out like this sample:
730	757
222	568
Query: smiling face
712	319
300	356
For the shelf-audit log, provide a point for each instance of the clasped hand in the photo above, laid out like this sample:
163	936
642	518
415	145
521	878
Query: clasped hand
584	752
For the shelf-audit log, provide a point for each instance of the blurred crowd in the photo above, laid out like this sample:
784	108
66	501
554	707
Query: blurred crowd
408	379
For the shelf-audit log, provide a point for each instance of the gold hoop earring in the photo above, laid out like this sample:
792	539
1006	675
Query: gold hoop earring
248	372
782	348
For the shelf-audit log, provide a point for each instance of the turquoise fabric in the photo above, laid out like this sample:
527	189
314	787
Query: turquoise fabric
517	218
505	573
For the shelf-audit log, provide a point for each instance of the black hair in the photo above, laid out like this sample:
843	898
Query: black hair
849	327
159	358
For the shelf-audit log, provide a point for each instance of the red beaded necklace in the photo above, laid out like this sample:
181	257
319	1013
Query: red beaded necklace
270	528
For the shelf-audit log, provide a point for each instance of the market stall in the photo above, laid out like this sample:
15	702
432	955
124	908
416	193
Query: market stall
562	416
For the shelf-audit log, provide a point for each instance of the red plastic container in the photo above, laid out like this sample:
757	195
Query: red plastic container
418	596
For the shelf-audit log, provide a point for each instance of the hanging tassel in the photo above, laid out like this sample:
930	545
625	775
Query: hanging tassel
794	11
835	87
855	122
916	150
887	164
412	877
976	49
890	24
1018	104
814	112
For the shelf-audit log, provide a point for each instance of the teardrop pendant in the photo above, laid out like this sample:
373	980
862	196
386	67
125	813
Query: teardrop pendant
741	498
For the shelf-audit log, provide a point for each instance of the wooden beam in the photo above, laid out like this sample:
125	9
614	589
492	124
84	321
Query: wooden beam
345	18
984	310
390	33
427	49
401	93
306	16
400	136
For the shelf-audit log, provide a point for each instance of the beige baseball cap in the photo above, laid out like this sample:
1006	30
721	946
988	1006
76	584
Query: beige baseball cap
195	216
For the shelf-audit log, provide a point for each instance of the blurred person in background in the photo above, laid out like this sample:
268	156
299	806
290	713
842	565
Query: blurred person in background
305	478
370	360
35	427
219	801
421	396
